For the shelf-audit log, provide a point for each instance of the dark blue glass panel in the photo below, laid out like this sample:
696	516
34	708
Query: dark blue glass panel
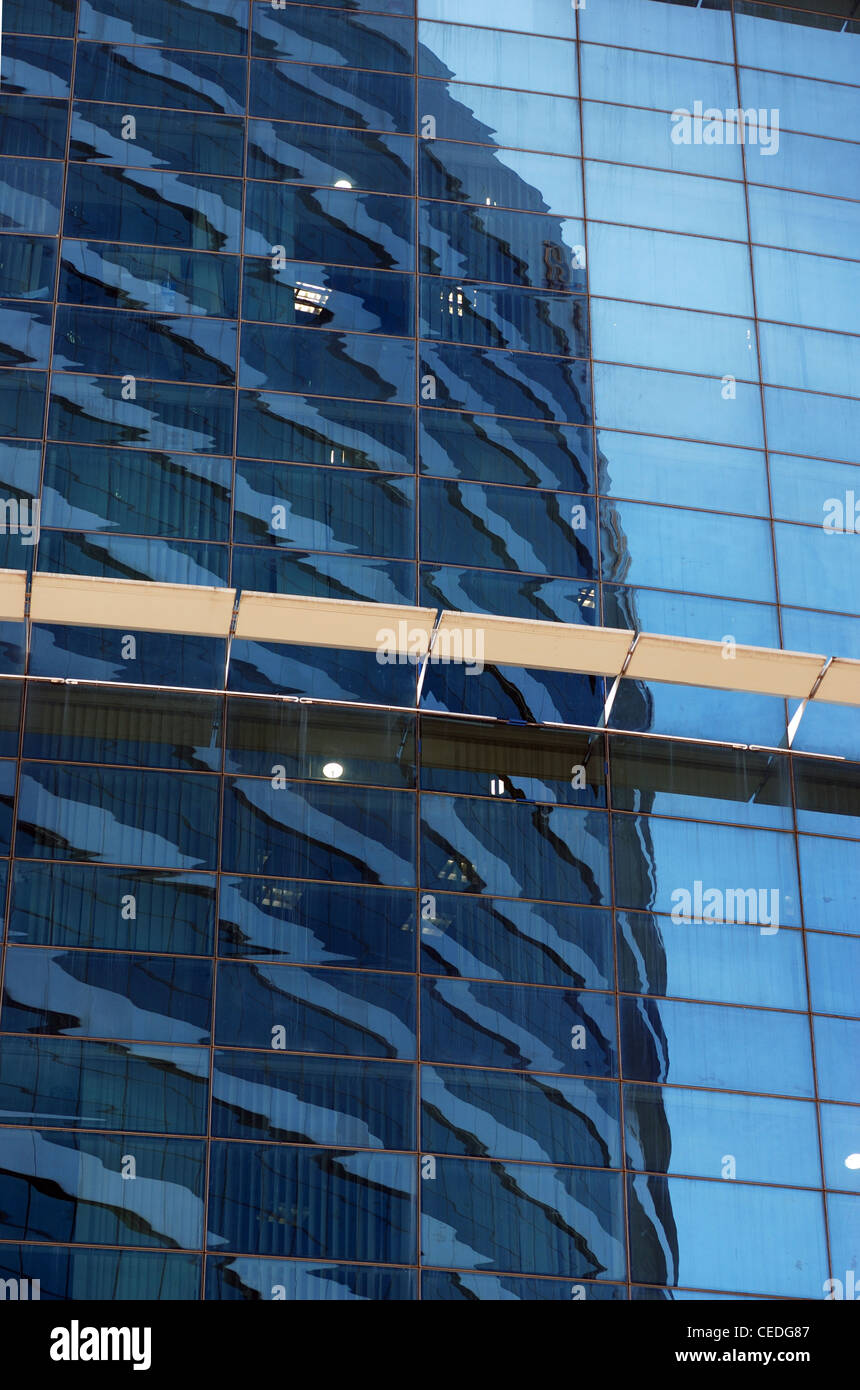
525	452
49	17
22	403
497	316
678	1236
193	210
313	429
116	343
30	195
323	576
7	793
544	1119
159	1090
331	744
361	366
332	96
454	1286
275	668
306	34
33	129
142	277
25	334
499	939
36	66
166	77
324	509
160	658
514	692
510	248
355	835
711	1045
317	923
220	26
242	1277
144	728
277	1200
328	296
500	178
12	646
50	1193
108	1276
531	386
518	1027
342	158
27	267
204	143
136	492
558	853
162	819
10	713
107	994
313	1100
329	224
472	759
508	528
131	557
353	1013
163	415
563	1221
81	905
670	1130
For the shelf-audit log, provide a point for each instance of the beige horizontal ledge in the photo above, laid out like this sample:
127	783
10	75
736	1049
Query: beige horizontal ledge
131	604
689	661
322	622
397	629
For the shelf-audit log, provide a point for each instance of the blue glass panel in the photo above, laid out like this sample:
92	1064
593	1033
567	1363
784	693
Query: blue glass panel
163	819
342	158
531	386
509	595
33	129
313	1100
130	490
554	852
242	1277
815	45
323	576
518	1027
508	528
840	1142
127	557
823	108
679	472
355	835
676	779
513	692
831	888
498	59
140	277
116	343
733	962
672	202
25	334
664	268
328	296
450	1286
533	16
164	415
22	403
630	135
836	1043
663	28
525	452
318	1203
27	267
72	1187
803	222
332	96
129	1086
844	1221
166	77
145	728
276	668
317	923
674	339
484	116
346	1012
813	424
510	248
36	66
51	17
628	399
804	358
160	658
680	1236
827	797
7	793
107	994
833	974
362	366
715	1046
306	35
500	177
369	746
814	290
477	759
539	1118
205	143
494	316
818	568
221	26
541	1220
313	429
332	224
107	1275
653	79
81	905
192	210
670	1130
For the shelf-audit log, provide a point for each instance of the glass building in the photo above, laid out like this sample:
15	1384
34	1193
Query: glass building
375	951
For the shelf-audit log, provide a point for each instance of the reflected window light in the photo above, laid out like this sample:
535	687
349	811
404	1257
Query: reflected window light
342	183
333	770
852	1161
310	299
455	303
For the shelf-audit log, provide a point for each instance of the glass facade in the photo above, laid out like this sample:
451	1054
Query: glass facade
326	977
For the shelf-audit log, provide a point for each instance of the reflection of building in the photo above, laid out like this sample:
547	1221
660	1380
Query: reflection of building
326	977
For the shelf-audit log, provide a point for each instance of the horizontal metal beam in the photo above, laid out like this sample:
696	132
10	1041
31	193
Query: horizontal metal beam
399	632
